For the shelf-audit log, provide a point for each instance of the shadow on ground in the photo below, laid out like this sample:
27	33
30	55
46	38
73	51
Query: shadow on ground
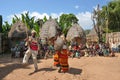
43	69
9	65
7	69
75	71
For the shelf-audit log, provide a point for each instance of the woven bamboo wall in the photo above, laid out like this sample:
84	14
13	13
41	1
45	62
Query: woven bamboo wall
0	43
113	37
4	44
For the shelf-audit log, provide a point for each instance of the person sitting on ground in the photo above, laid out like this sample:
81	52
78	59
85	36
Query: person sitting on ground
113	49
86	53
105	50
17	51
12	52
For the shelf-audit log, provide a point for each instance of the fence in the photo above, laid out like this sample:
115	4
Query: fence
113	37
0	43
4	44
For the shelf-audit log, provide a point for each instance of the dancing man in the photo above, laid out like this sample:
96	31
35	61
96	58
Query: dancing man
32	50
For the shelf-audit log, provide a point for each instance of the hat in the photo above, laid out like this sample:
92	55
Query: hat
33	31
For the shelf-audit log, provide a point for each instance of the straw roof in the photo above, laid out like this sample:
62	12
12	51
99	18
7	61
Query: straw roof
75	31
92	36
49	29
18	30
92	33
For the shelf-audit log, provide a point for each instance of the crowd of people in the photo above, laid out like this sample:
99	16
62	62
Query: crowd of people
35	48
76	50
18	50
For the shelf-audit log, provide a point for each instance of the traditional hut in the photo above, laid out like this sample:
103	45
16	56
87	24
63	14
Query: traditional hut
92	36
18	32
49	30
76	33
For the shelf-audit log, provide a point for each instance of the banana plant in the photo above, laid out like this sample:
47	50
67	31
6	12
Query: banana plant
36	28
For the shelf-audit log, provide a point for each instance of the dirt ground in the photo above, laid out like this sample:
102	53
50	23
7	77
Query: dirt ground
85	68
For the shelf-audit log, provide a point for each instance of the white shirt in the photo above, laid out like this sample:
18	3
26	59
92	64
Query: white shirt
113	45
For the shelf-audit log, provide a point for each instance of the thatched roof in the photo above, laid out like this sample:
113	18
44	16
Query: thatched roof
18	30
92	33
49	29
92	36
75	31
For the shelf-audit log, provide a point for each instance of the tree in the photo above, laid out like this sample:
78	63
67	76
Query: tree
40	22
97	22
111	15
44	19
6	27
66	21
29	22
0	23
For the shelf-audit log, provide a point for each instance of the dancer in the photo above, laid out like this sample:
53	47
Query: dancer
63	59
32	50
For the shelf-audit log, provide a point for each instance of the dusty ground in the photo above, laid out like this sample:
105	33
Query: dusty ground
85	68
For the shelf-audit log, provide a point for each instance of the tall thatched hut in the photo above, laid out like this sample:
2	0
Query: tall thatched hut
18	32
49	30
92	36
76	33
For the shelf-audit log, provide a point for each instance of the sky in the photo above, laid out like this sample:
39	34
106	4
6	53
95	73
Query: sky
40	8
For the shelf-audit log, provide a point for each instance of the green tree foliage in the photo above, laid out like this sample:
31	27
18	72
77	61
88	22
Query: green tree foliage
66	21
6	27
36	28
111	12
44	19
29	22
40	22
0	23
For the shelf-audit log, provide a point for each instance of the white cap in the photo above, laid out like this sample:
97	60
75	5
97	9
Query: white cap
33	31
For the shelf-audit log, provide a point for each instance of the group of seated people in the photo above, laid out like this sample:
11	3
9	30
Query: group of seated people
93	49
18	50
47	50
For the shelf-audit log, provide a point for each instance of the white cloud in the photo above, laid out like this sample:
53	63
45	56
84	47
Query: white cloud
84	17
76	7
9	18
85	20
38	15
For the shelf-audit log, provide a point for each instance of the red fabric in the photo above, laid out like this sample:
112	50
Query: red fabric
56	58
63	59
34	46
76	48
64	55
